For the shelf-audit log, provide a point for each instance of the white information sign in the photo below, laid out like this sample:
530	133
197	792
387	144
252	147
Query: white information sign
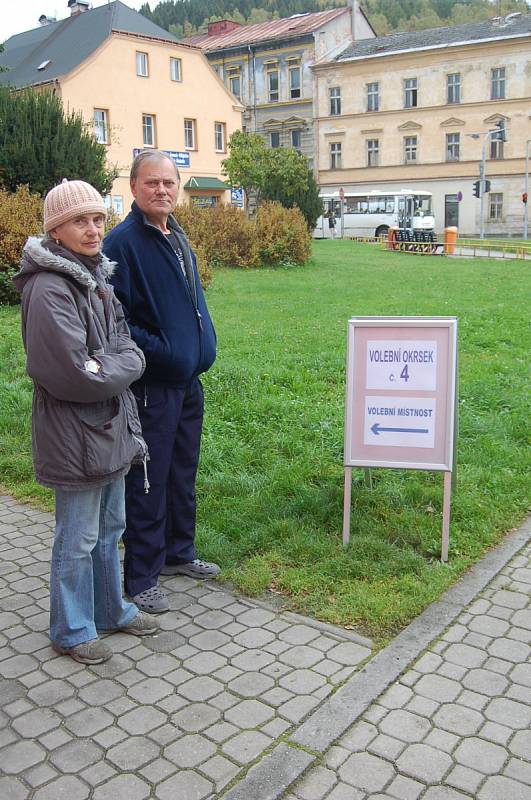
399	421
400	364
400	408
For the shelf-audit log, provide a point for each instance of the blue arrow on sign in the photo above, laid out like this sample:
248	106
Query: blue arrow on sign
377	430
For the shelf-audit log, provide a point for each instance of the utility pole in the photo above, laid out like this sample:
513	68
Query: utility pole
497	135
526	184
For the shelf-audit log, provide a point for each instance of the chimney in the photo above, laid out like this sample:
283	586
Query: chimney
222	26
77	6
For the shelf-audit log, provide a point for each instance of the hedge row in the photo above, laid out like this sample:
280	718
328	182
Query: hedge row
220	236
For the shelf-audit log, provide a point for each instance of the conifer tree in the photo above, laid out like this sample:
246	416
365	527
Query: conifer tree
40	144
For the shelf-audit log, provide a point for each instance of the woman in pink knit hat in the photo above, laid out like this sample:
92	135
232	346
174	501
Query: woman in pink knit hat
85	426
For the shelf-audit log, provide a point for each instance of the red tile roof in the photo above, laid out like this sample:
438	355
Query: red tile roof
275	29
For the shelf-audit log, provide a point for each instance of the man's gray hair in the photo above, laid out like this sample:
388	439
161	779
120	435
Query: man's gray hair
150	155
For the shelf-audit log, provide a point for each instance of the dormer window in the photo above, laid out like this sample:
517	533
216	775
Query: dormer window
44	64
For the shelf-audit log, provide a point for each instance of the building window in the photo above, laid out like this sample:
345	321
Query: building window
497	83
235	85
453	88
142	64
272	85
335	155
294	82
373	152
335	100
101	125
296	138
148	130
410	149
373	97
189	134
495	205
410	93
274	139
496	148
452	146
175	69
219	136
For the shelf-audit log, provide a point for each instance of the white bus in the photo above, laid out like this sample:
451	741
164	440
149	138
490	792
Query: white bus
373	213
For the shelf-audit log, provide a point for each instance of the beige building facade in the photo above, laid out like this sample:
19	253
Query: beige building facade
415	111
138	88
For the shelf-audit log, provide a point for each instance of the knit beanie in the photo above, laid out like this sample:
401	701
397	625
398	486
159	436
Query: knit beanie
70	199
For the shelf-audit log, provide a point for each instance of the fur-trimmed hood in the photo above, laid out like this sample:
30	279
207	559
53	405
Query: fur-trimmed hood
38	257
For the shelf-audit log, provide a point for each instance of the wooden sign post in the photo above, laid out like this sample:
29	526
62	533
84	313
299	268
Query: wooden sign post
400	402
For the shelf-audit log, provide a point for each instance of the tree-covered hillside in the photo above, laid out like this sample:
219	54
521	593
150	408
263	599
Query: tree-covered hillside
186	17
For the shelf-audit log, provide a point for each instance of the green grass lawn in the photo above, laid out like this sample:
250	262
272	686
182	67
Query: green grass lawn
271	478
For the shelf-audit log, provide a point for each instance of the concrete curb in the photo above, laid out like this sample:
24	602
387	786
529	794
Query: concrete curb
285	764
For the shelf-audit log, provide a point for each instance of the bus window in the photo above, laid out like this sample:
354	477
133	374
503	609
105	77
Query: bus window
389	205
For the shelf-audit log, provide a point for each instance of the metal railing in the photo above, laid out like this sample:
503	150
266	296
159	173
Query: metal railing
464	247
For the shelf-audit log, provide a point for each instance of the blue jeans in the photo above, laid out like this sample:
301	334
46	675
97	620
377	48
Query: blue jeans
85	582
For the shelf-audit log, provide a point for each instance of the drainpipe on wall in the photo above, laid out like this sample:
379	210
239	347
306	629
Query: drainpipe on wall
251	51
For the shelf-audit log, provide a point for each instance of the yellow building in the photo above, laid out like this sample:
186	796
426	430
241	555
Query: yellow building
415	110
138	87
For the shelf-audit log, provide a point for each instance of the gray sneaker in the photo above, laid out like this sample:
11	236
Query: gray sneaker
142	625
93	652
152	600
194	569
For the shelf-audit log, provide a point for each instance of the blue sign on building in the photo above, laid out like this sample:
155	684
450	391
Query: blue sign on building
236	197
181	159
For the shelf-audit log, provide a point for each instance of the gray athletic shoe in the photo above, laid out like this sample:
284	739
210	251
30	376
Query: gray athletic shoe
142	625
93	652
152	600
194	569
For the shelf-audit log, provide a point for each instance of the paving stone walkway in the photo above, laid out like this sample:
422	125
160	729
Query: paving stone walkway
457	724
176	716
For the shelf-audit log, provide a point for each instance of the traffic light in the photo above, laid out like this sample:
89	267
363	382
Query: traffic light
486	186
501	134
524	198
477	188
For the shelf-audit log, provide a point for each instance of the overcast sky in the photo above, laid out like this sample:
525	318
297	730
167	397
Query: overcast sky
23	15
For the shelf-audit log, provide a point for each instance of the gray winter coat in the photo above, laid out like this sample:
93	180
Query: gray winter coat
85	426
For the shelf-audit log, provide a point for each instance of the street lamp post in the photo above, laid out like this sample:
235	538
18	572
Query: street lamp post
500	136
526	182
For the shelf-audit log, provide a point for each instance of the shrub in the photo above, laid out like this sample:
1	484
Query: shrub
225	234
226	237
282	235
20	217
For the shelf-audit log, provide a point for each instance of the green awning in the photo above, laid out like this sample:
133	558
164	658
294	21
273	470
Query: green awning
206	183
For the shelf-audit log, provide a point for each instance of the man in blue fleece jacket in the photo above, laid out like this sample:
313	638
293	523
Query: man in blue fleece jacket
157	281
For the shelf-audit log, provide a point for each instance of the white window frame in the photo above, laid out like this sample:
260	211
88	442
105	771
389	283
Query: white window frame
496	206
146	127
373	96
453	146
219	137
336	155
101	126
496	149
190	134
411	150
373	152
295	93
176	69
411	93
273	95
498	83
334	96
142	64
453	88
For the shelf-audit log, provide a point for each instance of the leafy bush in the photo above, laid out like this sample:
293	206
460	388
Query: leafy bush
225	234
226	237
282	235
20	217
